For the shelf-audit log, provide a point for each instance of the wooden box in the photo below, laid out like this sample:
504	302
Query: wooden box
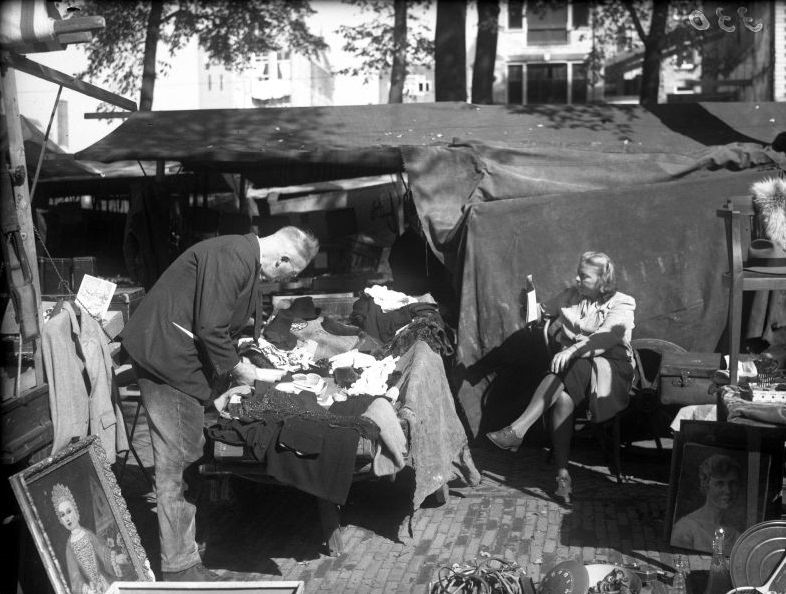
26	425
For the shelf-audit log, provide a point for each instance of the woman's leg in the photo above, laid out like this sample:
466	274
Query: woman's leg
544	396
562	430
561	435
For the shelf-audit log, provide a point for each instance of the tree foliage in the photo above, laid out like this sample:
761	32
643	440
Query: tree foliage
658	28
372	42
231	32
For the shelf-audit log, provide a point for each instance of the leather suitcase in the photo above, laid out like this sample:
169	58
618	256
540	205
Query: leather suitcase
126	299
81	266
55	275
685	378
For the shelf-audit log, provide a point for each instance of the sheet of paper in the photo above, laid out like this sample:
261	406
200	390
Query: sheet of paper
95	295
532	306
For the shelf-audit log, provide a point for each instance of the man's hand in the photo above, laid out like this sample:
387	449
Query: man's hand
560	361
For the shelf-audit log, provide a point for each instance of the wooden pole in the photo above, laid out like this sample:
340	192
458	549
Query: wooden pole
20	194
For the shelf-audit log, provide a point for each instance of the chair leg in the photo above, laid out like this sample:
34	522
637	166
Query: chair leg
617	432
611	452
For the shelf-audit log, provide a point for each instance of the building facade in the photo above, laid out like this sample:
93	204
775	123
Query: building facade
544	51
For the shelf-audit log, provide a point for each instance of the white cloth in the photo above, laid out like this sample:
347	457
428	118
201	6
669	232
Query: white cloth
374	379
388	300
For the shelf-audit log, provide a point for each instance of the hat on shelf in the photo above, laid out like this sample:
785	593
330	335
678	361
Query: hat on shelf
766	256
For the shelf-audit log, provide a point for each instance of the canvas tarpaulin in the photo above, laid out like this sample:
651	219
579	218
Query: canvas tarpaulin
497	214
295	145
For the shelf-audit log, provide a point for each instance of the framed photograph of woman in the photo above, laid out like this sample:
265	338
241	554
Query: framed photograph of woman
79	521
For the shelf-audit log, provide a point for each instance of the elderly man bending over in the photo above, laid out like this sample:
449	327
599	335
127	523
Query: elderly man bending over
180	340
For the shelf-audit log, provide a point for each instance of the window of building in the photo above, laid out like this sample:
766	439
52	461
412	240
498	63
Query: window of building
547	83
580	14
547	24
62	123
209	83
516	84
221	82
578	83
515	14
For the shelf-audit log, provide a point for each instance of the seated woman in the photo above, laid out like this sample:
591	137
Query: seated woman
595	361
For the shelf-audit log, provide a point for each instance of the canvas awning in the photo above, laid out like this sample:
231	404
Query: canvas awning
57	164
285	146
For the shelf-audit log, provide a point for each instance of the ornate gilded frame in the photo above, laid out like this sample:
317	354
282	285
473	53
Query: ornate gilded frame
82	468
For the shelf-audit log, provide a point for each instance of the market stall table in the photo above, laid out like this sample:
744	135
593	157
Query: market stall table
437	442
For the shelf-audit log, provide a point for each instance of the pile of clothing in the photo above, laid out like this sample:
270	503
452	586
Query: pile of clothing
306	445
309	428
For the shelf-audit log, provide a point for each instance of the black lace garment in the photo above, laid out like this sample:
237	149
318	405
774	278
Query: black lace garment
274	406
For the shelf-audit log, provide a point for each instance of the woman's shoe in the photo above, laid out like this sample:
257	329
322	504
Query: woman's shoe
564	492
505	439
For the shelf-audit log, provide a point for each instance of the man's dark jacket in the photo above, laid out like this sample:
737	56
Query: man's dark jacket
211	291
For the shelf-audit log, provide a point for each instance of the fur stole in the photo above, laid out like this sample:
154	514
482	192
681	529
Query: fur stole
769	198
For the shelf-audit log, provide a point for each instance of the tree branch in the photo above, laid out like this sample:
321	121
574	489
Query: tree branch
636	21
171	15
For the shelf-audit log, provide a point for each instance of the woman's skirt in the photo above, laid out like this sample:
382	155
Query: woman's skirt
577	379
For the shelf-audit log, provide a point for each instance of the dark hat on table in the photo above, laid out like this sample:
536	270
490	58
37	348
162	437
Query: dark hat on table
766	256
302	308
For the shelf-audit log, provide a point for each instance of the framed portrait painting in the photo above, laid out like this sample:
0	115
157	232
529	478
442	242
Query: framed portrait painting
723	475
79	521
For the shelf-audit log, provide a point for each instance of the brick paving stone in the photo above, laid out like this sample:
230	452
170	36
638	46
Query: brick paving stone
510	515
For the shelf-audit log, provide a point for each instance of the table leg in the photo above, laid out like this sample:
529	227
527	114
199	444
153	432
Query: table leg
331	527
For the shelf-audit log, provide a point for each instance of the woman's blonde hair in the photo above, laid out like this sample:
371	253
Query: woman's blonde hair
608	278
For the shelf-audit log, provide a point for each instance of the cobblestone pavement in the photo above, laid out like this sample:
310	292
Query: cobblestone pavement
264	532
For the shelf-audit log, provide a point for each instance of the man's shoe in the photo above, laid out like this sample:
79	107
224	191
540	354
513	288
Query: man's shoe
505	439
195	573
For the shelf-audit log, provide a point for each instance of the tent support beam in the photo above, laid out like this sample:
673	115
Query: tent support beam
23	64
21	196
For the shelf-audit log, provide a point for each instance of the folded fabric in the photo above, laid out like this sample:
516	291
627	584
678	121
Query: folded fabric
387	299
292	360
374	379
333	326
255	356
277	332
327	344
345	376
381	325
392	445
352	358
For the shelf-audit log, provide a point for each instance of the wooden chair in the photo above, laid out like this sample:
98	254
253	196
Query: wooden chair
611	452
738	217
643	393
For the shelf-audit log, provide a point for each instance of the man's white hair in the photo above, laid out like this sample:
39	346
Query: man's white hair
304	242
